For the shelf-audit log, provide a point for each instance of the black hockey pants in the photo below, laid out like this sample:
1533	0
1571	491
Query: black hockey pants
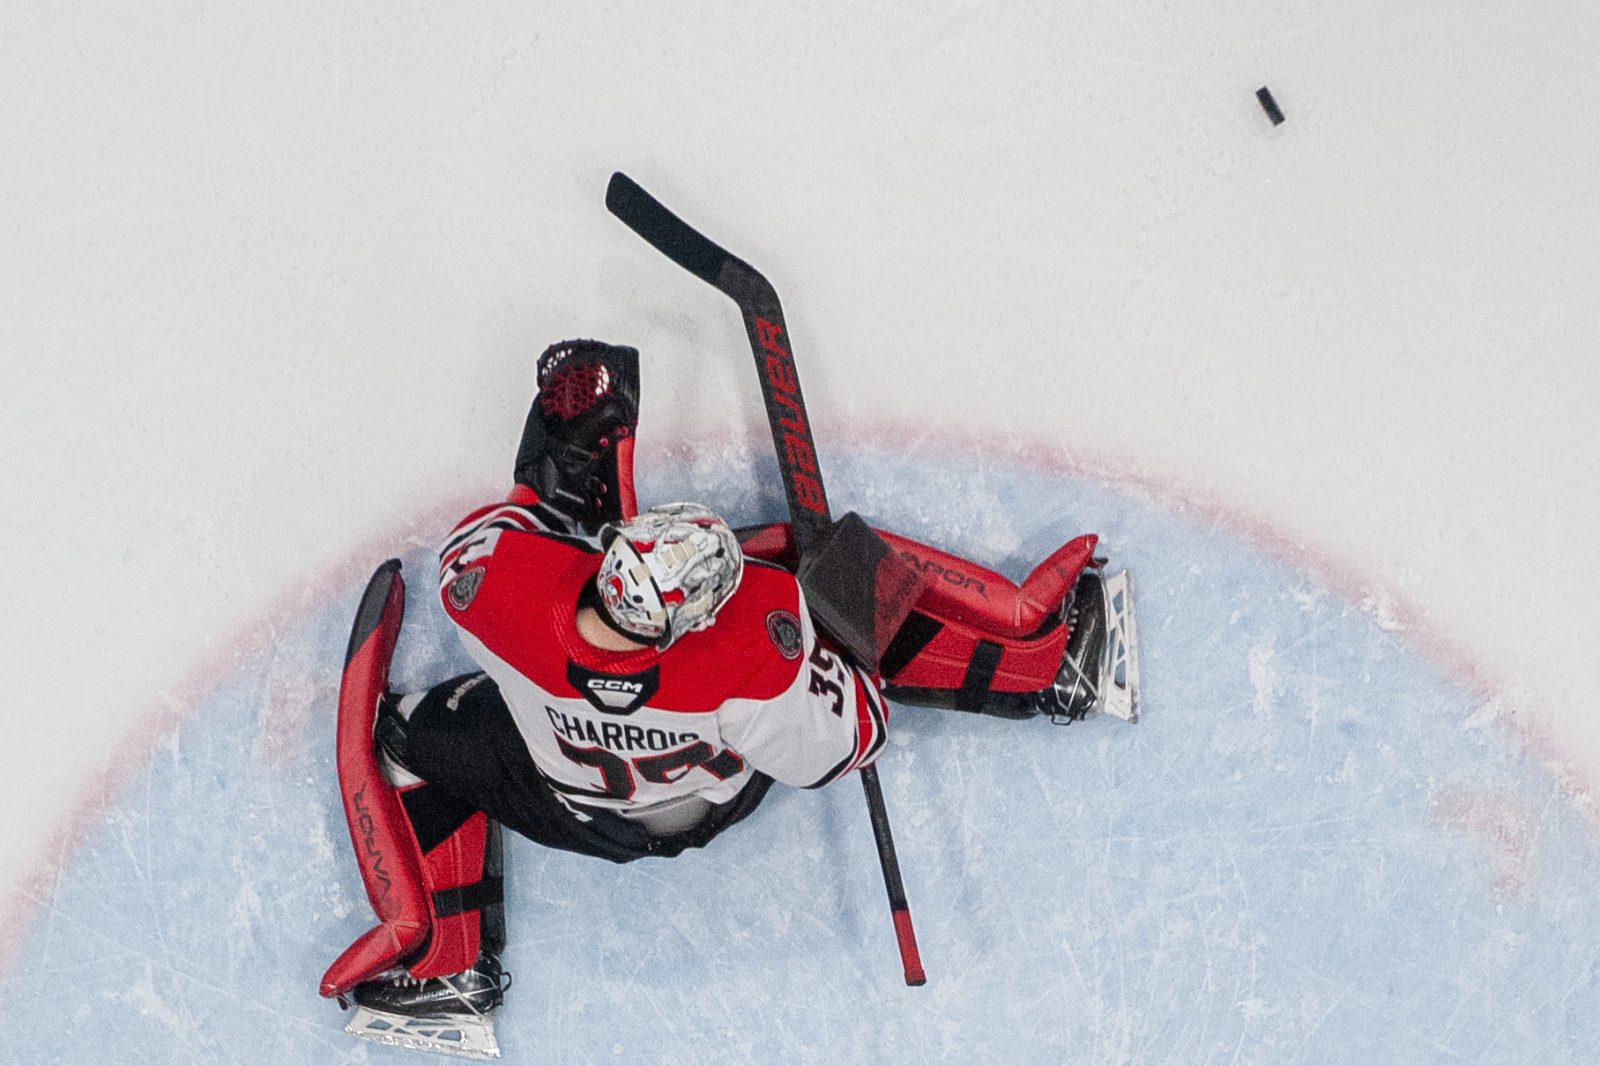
473	754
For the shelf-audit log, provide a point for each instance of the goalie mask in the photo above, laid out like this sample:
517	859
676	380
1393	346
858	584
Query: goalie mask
668	571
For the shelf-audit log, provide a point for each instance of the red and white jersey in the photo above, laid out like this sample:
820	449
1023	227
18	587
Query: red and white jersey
627	730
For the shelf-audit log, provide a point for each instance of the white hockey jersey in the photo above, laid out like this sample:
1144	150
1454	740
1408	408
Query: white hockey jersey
629	730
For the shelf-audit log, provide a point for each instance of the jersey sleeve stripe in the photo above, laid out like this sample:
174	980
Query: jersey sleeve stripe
872	731
871	721
503	516
505	524
838	770
478	528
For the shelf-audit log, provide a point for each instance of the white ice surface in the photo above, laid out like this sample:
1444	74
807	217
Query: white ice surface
272	274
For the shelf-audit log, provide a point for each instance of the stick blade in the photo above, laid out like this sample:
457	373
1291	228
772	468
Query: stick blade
665	231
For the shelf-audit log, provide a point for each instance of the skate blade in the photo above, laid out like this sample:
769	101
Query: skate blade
471	1038
1119	689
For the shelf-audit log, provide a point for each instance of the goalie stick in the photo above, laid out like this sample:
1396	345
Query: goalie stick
791	436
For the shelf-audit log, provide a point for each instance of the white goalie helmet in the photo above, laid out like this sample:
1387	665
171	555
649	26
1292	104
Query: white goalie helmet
668	571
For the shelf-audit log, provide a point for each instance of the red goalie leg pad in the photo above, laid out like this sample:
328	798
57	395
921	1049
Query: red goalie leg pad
976	641
962	591
1047	586
455	880
385	847
967	664
460	883
959	590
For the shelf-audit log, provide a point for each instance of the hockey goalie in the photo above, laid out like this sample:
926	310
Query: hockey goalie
644	678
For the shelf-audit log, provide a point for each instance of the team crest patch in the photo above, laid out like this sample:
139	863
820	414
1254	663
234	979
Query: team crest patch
464	589
784	629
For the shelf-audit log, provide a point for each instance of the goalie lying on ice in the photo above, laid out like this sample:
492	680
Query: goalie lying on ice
645	678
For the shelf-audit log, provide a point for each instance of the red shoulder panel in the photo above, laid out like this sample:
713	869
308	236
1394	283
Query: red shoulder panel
745	654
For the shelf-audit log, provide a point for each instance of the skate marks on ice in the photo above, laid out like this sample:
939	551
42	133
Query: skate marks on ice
1313	849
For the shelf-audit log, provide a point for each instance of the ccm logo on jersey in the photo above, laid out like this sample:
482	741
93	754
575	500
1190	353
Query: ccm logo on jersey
614	693
614	684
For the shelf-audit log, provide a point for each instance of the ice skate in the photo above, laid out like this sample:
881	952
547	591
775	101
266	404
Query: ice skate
1100	670
452	1015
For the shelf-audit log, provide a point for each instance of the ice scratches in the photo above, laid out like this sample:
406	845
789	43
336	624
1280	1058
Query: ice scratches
142	1002
292	696
1384	609
141	996
1263	678
322	854
1308	600
1504	822
1483	719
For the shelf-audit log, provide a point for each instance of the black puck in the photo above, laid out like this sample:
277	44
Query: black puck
1269	105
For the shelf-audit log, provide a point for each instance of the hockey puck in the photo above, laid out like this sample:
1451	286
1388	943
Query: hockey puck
1269	105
